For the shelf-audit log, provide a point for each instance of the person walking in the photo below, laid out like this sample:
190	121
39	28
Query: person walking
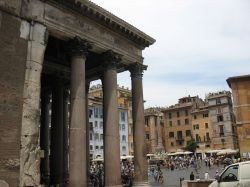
192	176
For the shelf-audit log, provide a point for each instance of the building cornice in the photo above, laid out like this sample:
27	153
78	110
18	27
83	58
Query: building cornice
107	19
237	79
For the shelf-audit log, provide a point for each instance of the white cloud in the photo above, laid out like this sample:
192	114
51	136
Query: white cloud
208	37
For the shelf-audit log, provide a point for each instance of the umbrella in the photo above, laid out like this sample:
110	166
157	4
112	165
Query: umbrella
98	159
227	151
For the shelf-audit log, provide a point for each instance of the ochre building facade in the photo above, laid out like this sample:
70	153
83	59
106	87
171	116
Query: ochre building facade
240	86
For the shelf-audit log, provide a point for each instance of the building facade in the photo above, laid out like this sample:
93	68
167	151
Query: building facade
125	120
96	146
50	52
154	130
240	86
202	129
178	123
222	120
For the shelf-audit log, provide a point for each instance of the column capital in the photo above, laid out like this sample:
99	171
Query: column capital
111	59
78	47
137	69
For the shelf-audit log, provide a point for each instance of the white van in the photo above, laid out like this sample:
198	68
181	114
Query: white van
235	175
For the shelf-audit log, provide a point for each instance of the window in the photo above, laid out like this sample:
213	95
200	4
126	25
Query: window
123	138
206	125
91	126
90	113
172	144
220	118
186	112
169	115
101	125
147	136
179	135
218	101
123	118
100	112
186	121
90	136
231	174
195	116
96	136
101	136
97	147
171	134
207	136
123	127
178	122
96	112
90	147
101	147
205	115
96	124
221	130
197	138
123	148
188	132
170	123
178	114
196	126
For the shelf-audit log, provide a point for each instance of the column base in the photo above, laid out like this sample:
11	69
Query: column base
141	184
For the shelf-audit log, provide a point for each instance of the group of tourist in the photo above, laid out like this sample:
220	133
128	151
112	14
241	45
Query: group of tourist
97	173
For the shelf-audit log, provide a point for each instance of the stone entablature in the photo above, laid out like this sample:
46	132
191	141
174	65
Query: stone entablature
66	19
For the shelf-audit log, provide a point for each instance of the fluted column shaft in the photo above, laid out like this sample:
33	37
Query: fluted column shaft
112	166
140	162
77	153
45	135
56	161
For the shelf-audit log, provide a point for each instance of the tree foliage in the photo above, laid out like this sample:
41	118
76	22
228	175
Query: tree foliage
191	146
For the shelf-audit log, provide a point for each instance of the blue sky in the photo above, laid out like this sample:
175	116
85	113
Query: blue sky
199	44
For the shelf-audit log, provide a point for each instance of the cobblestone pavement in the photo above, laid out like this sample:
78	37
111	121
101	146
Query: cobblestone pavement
172	178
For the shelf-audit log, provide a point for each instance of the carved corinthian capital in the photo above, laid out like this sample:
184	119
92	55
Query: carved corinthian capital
137	69
111	59
78	47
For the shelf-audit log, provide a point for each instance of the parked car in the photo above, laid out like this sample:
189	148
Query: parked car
235	175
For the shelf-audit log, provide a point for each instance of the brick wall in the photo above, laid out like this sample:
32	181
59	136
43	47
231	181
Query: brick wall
13	52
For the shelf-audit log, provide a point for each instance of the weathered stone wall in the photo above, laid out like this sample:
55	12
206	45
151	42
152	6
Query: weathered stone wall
13	53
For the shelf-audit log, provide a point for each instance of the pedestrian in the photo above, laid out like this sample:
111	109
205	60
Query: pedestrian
192	176
217	176
206	176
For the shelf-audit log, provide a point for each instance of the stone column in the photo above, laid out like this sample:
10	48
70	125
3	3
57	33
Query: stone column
159	132
45	135
77	144
66	137
35	34
112	168
140	162
56	157
87	131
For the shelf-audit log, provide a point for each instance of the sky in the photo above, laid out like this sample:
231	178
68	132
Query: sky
199	44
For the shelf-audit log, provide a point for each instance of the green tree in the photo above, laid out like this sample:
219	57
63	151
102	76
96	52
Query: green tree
191	146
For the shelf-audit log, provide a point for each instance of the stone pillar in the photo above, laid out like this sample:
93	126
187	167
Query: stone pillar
30	149
112	168
77	144
45	135
159	132
66	138
87	130
140	162
56	157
